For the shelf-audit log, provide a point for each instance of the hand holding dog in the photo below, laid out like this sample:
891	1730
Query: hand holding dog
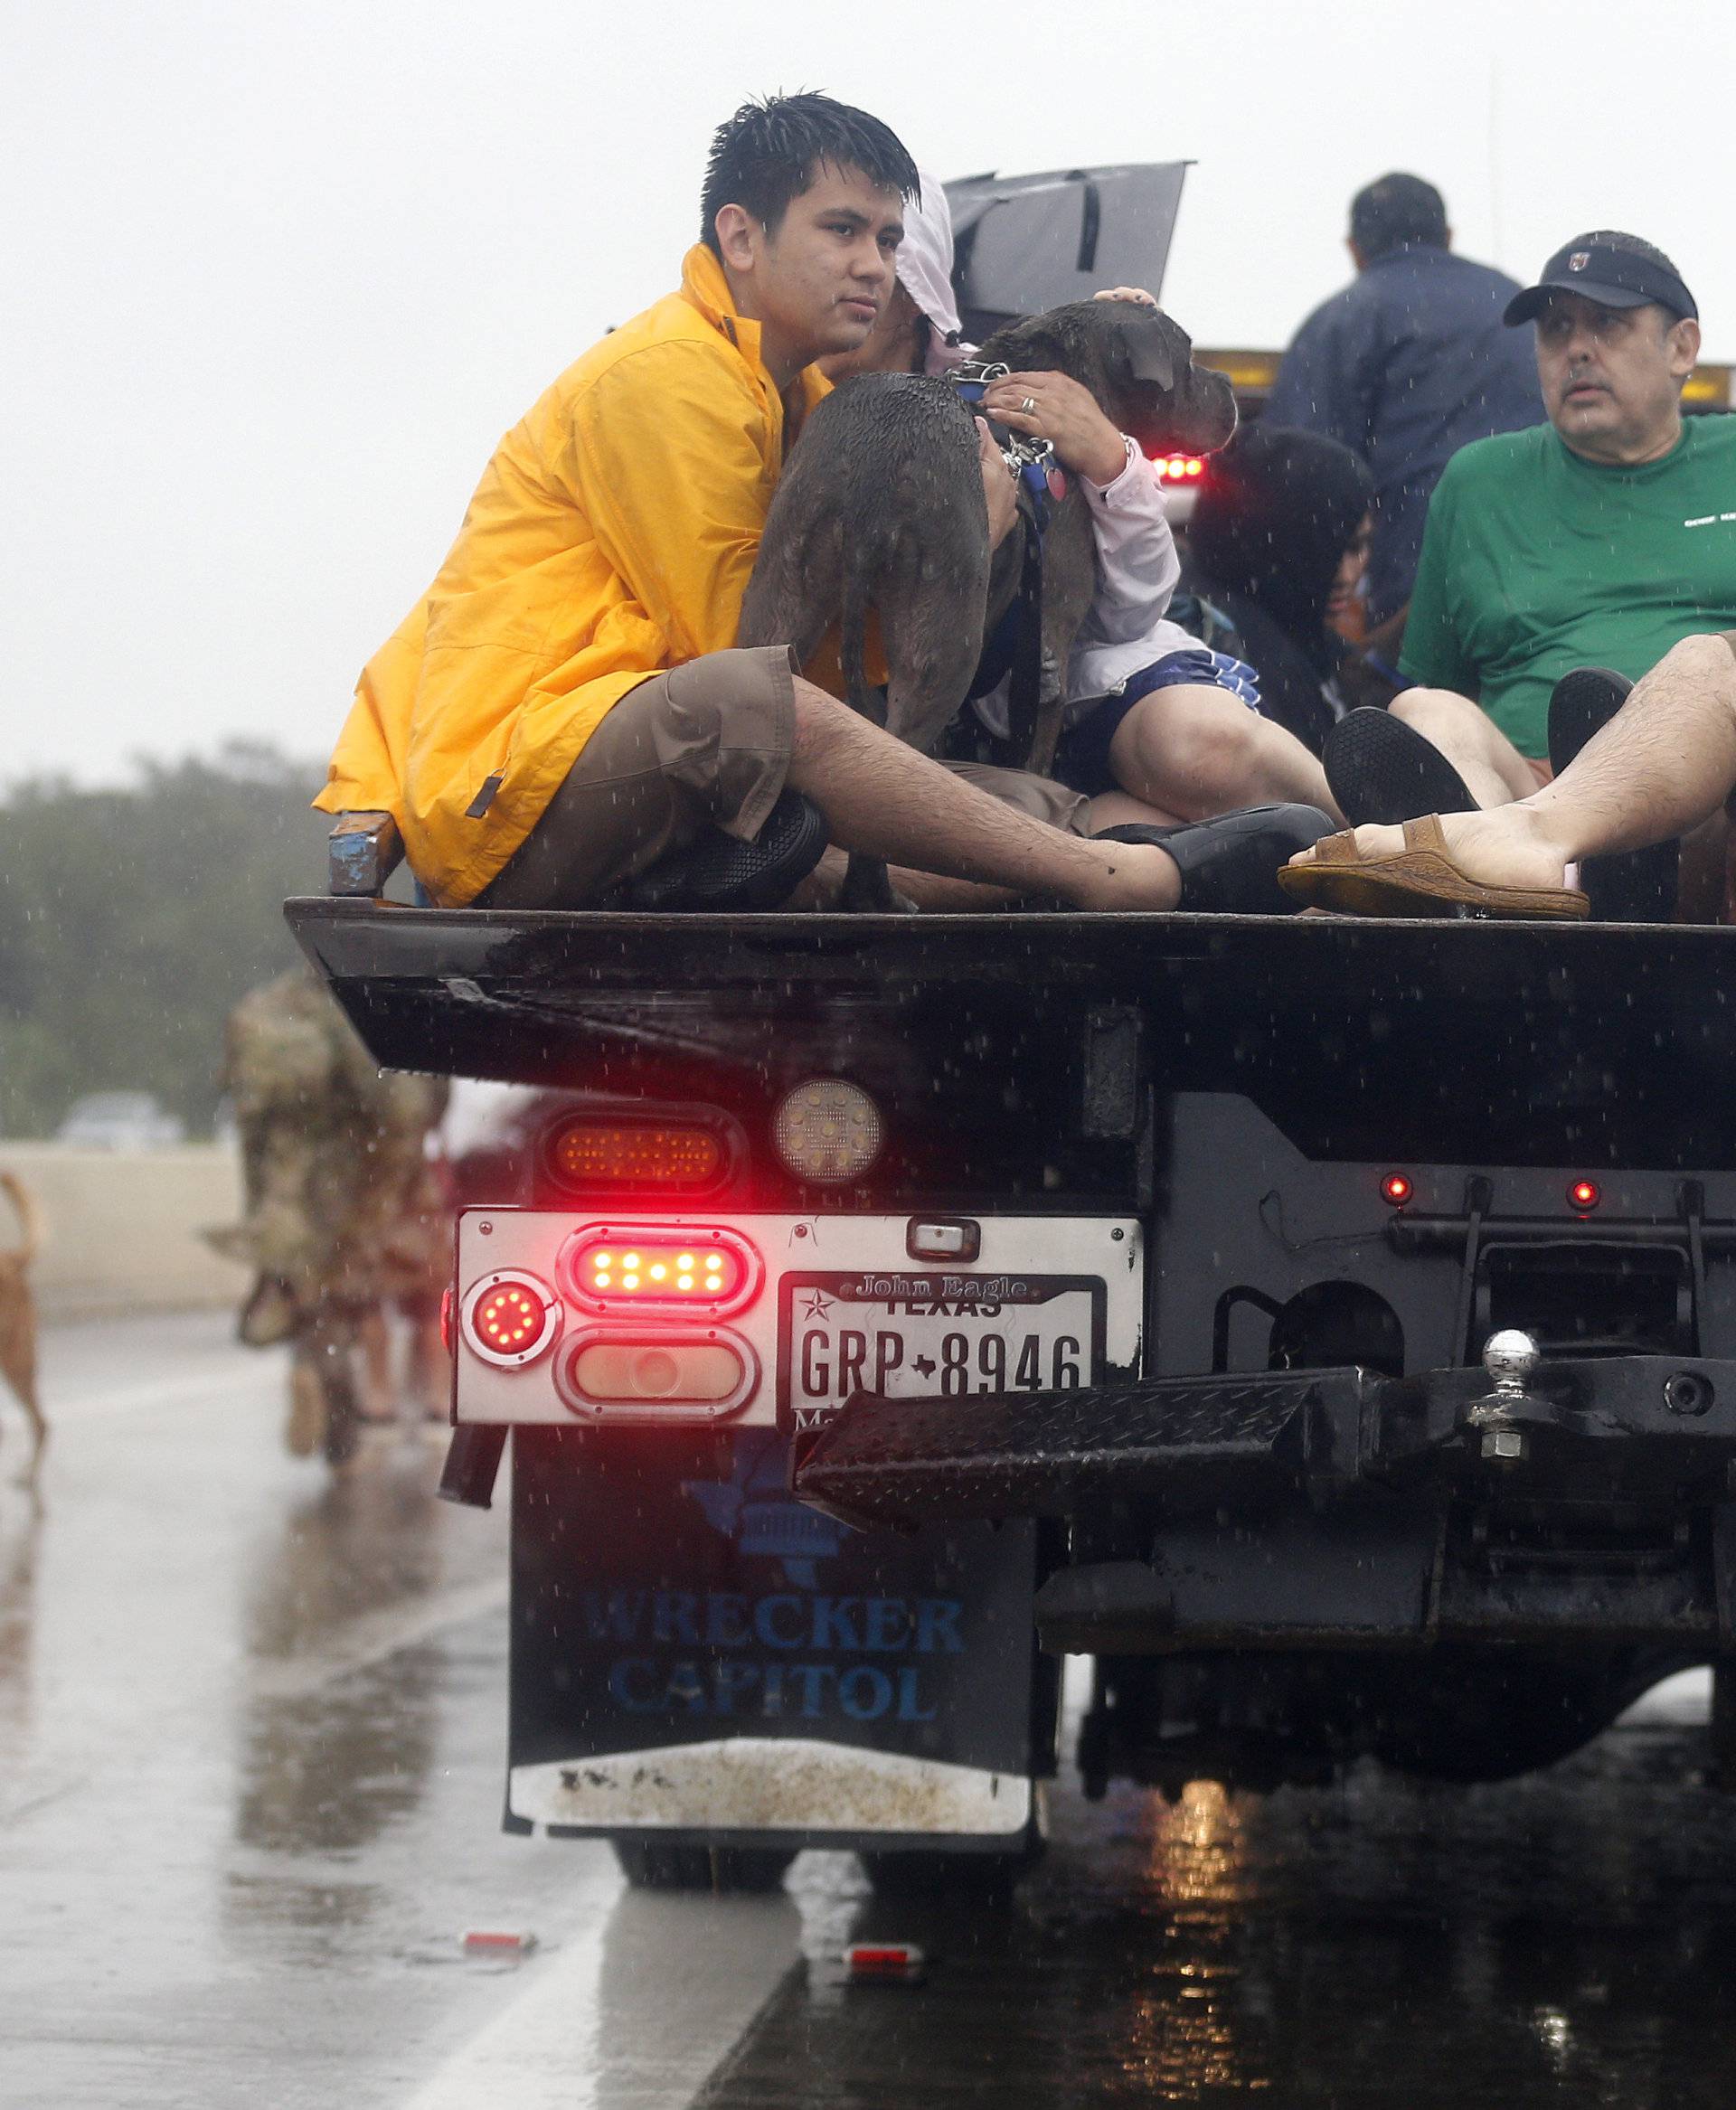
1065	413
998	487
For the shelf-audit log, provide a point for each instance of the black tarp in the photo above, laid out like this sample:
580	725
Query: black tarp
1025	243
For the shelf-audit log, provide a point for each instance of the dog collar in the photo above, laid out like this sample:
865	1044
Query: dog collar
1031	461
970	377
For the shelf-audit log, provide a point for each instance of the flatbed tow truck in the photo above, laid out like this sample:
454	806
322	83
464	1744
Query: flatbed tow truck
1328	1326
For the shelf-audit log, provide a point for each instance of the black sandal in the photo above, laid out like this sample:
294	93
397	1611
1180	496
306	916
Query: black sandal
1382	770
1229	865
1636	886
726	876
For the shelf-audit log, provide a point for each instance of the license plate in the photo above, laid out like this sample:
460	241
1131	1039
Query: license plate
935	1333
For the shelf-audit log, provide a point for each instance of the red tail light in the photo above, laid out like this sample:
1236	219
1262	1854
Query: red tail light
701	1269
1585	1194
1180	468
1397	1189
510	1318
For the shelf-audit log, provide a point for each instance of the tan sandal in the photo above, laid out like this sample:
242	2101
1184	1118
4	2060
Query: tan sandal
1420	880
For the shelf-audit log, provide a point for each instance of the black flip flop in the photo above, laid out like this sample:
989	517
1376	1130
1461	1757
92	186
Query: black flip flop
726	876
1639	885
1382	770
1229	865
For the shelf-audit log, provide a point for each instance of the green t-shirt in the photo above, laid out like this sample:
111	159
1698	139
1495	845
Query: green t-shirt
1534	563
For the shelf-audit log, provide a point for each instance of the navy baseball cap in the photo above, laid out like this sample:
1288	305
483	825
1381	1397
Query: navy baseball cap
1614	277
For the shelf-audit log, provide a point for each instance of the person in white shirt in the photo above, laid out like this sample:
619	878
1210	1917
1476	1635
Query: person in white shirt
1157	729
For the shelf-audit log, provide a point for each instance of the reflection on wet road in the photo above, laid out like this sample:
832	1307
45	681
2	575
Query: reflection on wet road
1384	1946
251	1750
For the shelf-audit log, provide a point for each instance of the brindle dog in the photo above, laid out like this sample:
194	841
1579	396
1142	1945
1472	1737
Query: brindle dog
882	507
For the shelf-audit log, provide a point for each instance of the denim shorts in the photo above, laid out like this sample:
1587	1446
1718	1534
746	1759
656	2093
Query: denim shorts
1082	751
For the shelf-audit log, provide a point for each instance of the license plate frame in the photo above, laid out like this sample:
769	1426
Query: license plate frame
1096	1248
972	1304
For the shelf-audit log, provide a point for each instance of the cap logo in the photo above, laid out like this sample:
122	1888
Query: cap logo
1578	259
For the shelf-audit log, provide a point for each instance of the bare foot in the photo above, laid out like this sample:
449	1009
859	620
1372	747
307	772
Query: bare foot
1502	847
1136	876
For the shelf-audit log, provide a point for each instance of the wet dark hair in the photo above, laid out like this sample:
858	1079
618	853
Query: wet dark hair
769	151
1395	212
1273	520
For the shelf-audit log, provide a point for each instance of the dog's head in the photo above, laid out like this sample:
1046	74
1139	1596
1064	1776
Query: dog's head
1137	362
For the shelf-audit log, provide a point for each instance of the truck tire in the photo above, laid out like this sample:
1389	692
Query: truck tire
976	1881
657	1864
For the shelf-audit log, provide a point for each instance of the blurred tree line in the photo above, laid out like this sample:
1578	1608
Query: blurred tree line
131	920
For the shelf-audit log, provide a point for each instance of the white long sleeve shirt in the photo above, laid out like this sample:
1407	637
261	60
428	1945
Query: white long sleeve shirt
1137	571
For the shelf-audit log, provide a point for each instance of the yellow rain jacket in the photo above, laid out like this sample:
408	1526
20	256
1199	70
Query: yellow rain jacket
613	535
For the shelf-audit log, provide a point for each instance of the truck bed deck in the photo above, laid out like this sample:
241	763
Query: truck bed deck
1448	1041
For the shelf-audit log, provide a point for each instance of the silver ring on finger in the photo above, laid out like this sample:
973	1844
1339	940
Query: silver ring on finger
1029	406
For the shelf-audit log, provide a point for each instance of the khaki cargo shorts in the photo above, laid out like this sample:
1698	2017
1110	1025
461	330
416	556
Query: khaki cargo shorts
706	742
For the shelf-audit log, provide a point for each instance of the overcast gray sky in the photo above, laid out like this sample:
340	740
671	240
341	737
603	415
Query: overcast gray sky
280	276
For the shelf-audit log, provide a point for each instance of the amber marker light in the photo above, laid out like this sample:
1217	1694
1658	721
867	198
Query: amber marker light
637	1157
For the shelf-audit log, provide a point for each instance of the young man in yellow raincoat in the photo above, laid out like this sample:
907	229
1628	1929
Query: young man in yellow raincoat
566	705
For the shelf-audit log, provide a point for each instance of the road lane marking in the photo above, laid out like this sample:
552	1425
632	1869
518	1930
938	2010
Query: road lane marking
606	2018
163	1392
374	1636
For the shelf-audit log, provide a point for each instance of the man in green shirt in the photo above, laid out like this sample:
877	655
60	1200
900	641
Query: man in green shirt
1603	538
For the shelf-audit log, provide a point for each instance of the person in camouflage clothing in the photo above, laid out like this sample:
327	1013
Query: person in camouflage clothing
346	1216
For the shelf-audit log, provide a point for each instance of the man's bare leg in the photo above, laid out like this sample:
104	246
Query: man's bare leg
824	886
1198	752
822	889
1195	750
1665	762
1495	771
1108	809
885	800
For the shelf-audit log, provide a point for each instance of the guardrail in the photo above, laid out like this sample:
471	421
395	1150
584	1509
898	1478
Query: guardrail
1252	373
120	1228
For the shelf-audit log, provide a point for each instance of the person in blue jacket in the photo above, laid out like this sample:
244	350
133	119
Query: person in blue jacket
1405	365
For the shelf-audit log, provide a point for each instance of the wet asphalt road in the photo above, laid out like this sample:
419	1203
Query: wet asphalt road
250	1770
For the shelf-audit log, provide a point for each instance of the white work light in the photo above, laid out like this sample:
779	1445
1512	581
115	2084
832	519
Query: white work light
827	1129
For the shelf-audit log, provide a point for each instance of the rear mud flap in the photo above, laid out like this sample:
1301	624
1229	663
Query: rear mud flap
763	1786
697	1655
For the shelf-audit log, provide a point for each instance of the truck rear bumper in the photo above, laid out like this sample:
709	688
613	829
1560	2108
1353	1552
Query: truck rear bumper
1332	1508
1615	1426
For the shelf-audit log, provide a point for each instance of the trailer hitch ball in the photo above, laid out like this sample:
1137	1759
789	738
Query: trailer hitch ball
1685	1391
1510	1357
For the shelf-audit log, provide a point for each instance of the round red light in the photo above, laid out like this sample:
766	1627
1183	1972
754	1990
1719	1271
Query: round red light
1585	1194
510	1318
1396	1188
